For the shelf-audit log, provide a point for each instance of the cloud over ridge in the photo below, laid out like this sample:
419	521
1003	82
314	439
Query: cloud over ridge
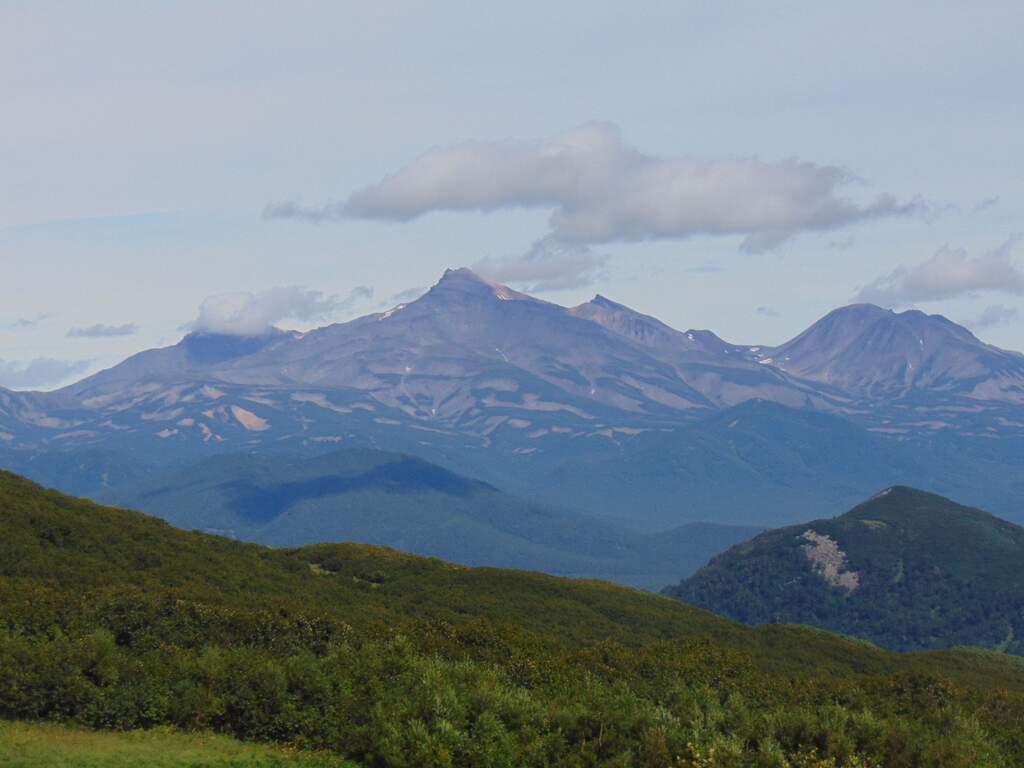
39	372
601	190
252	314
548	265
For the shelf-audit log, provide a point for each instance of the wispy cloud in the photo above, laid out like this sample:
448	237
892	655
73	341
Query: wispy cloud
993	315
25	322
549	265
409	294
986	204
253	314
599	190
40	372
101	330
948	274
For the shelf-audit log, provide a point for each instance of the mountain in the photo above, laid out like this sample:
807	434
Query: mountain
394	500
596	407
476	361
906	569
721	372
117	621
872	353
468	358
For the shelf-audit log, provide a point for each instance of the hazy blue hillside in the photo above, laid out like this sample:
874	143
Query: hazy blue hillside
399	501
760	463
905	569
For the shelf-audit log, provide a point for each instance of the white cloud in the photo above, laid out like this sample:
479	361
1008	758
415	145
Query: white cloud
950	273
996	314
100	330
600	190
253	314
40	372
549	265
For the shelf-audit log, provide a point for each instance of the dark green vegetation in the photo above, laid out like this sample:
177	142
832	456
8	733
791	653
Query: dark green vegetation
35	745
912	571
375	497
113	620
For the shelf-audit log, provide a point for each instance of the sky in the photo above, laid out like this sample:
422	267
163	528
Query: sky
167	167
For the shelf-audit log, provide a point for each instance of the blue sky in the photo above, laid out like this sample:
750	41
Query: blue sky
869	152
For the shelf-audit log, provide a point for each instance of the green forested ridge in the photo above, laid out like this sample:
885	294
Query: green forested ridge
113	620
930	574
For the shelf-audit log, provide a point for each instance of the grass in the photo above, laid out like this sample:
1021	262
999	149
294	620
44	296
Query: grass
34	745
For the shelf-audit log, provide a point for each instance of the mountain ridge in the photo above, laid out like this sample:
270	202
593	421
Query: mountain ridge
499	385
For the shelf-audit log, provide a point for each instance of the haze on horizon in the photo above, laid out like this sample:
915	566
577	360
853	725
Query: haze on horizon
746	171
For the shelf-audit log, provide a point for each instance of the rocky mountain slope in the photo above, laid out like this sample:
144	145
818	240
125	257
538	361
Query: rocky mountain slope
877	354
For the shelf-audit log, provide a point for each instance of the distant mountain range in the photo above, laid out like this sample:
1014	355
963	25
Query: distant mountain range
406	503
596	407
907	570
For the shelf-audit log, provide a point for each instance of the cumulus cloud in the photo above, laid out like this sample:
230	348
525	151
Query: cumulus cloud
996	314
950	273
253	314
40	372
549	265
101	331
599	190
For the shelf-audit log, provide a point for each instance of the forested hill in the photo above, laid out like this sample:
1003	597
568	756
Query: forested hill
906	569
111	619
